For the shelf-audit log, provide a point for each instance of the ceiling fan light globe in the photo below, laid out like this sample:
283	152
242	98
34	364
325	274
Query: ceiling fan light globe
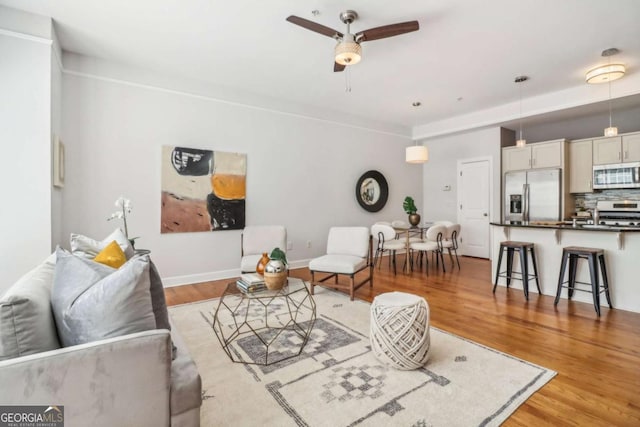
348	53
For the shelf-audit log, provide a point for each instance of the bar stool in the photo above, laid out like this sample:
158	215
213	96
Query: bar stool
523	274
571	254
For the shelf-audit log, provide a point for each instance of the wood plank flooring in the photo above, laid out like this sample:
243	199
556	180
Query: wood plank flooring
597	359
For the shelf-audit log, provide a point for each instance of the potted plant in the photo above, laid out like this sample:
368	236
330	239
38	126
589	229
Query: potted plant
275	272
409	207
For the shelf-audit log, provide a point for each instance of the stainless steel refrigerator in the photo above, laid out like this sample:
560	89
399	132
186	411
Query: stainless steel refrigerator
532	195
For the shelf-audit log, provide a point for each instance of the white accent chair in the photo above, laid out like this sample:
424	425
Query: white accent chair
432	243
387	242
349	251
258	239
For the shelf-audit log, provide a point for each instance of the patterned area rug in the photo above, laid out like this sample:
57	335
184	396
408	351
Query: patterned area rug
336	380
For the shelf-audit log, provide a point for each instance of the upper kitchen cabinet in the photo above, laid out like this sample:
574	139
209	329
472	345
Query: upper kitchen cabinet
534	156
616	149
580	167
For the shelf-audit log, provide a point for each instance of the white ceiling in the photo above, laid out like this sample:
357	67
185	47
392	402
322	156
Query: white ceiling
462	60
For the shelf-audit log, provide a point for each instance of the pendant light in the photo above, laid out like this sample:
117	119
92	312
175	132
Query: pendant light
416	154
606	74
521	142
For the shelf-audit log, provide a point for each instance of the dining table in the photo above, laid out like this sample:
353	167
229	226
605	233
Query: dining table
408	232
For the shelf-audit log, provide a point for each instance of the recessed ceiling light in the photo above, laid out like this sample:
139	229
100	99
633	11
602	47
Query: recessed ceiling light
416	103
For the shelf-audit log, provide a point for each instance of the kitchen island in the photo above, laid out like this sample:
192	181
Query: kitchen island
622	254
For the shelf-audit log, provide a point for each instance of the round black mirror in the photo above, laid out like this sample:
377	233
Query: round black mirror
372	191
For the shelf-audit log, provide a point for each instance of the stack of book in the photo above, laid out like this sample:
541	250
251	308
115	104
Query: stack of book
250	283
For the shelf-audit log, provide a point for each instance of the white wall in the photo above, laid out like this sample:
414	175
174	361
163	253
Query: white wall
25	125
301	172
440	170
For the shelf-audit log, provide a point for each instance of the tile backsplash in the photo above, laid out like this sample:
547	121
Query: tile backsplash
587	201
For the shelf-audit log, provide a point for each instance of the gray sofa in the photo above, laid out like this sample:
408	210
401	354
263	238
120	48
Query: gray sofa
136	379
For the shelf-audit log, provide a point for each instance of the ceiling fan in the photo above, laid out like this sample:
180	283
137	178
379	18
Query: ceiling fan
348	50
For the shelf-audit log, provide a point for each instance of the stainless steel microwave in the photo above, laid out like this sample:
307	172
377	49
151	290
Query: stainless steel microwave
621	175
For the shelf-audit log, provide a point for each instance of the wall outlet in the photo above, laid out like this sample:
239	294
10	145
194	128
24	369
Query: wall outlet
308	243
289	246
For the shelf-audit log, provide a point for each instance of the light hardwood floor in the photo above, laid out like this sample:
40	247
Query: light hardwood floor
597	359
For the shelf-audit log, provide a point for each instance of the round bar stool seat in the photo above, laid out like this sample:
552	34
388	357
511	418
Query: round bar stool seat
594	256
400	330
523	275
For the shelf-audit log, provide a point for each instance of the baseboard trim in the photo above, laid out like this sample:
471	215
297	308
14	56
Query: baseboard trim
190	279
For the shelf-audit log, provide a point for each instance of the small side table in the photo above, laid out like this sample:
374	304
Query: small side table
265	327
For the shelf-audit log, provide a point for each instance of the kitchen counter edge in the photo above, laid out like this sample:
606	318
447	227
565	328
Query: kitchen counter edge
571	227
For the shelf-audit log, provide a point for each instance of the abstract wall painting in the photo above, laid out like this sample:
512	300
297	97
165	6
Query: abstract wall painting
202	190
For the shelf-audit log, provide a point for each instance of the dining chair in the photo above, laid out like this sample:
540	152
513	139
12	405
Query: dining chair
433	244
450	241
387	242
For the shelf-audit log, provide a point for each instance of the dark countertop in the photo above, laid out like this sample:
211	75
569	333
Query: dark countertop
571	227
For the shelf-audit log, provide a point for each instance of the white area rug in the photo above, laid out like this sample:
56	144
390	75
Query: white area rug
336	380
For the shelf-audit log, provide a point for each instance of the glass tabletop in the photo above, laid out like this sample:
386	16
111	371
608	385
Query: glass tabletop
293	285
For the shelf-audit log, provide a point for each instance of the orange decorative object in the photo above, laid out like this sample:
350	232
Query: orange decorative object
262	263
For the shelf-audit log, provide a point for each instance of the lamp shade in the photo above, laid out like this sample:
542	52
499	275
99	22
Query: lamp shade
417	154
605	73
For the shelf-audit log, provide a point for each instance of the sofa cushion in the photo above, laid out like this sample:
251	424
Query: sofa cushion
92	301
87	247
186	384
112	255
26	320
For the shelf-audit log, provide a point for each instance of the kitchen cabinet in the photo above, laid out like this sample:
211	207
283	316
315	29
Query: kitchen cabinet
580	167
533	156
616	149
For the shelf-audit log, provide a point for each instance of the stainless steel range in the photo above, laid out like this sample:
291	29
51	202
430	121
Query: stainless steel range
619	213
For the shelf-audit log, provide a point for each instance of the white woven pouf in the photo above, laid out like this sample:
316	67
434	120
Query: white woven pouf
400	330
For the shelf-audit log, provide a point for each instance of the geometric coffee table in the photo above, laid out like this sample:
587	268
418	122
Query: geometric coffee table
265	327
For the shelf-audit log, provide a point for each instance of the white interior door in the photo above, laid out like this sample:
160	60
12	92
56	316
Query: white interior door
474	200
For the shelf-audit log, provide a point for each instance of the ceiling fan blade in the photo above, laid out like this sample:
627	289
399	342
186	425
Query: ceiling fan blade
338	67
314	26
387	31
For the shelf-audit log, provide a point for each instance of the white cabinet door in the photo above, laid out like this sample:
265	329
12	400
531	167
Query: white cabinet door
580	167
607	150
516	158
546	155
631	148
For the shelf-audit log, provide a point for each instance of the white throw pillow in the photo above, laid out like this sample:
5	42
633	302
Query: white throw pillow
87	247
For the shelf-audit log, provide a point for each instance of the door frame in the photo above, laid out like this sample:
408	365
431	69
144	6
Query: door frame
459	164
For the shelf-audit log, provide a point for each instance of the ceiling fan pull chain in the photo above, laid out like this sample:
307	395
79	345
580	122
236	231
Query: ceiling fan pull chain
347	79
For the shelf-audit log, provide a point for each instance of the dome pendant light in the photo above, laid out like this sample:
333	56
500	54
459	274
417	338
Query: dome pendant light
606	74
521	142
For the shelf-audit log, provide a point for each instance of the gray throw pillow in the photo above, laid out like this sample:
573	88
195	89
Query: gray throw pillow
92	301
26	320
86	247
